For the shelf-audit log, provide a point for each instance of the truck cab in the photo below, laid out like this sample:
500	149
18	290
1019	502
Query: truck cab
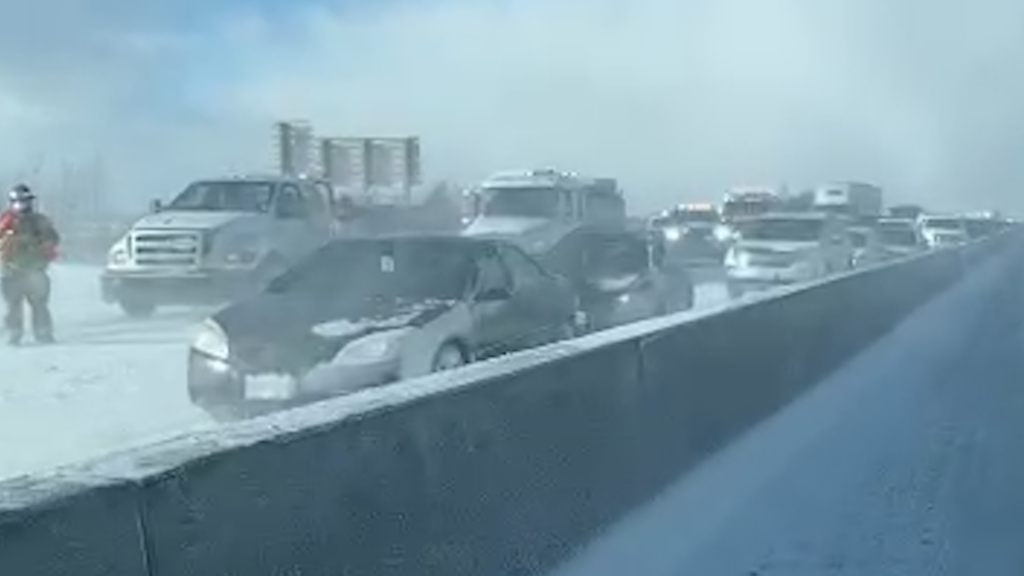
538	208
217	239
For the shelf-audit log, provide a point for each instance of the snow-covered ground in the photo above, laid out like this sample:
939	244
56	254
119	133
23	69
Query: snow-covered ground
908	461
108	384
111	382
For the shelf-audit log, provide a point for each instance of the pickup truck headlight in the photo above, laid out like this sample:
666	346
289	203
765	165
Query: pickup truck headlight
211	341
119	254
673	234
247	257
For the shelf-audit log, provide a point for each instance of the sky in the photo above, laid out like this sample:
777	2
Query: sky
680	99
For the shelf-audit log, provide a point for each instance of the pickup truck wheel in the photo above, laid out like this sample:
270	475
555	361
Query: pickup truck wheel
137	307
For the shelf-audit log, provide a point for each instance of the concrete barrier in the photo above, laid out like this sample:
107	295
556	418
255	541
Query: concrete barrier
501	468
75	525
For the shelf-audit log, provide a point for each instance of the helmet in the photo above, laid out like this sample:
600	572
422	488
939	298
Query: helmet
21	197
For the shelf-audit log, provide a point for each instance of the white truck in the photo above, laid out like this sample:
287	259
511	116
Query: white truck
217	239
853	199
538	208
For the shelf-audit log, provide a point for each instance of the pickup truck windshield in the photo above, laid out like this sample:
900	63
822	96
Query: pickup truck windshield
783	230
355	271
227	196
521	202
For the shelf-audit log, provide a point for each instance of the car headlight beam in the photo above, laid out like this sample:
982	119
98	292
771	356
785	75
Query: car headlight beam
375	346
212	341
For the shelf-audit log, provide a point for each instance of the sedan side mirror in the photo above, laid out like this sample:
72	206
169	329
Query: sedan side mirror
494	295
156	205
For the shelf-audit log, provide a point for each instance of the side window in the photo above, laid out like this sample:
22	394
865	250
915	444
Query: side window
524	271
491	274
318	203
568	208
290	203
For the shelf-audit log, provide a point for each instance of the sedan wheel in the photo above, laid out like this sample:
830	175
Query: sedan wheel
449	356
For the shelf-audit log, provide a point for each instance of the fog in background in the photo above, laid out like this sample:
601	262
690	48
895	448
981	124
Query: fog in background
678	98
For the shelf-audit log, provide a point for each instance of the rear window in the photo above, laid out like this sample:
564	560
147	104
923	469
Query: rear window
608	256
859	238
898	236
943	223
781	229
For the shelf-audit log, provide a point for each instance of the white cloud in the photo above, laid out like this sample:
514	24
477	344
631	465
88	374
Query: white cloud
679	98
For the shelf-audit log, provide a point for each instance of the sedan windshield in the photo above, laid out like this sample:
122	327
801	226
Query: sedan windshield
356	271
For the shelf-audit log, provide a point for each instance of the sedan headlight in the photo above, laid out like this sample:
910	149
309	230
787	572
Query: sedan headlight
211	341
374	347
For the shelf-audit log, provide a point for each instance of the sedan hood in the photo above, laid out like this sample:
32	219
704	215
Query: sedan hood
286	333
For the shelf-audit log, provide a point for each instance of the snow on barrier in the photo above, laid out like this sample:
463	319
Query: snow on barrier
500	468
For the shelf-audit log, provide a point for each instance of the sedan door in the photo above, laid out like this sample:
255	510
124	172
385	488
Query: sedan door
542	308
495	324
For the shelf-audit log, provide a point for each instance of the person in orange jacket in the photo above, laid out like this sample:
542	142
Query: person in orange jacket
28	244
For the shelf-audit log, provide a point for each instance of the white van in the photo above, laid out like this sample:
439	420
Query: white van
786	248
940	231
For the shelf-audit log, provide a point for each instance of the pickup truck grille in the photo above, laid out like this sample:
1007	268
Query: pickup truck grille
171	249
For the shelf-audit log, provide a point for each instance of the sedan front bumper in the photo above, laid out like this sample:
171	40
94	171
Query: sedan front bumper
226	392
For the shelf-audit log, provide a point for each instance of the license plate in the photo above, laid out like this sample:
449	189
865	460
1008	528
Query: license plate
270	387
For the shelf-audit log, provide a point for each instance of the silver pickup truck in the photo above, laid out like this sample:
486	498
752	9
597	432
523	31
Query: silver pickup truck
217	239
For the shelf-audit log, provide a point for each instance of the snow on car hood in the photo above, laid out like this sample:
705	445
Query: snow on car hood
272	336
405	316
615	283
189	220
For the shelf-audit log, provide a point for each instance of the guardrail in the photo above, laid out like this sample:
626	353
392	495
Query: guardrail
499	468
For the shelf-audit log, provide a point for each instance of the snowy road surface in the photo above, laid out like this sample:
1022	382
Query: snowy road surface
908	462
110	384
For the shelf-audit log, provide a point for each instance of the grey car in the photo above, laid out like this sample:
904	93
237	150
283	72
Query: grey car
621	280
365	312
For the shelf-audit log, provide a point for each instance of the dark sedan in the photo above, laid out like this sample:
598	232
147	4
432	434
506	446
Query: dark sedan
365	312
